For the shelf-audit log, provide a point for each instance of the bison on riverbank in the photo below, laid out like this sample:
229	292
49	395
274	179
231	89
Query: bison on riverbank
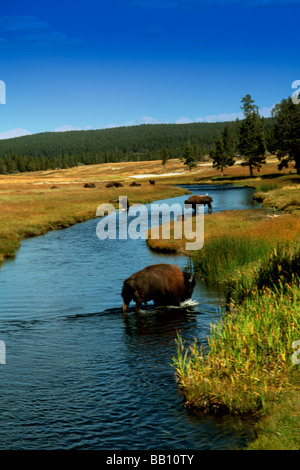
163	283
114	184
196	199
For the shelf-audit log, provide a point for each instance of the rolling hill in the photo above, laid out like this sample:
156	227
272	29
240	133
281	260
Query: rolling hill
145	142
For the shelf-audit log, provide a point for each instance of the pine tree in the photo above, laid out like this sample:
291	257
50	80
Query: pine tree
21	163
188	156
251	139
10	164
164	156
222	153
287	133
31	164
228	144
198	154
3	169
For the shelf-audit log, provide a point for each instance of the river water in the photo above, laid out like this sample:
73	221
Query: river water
81	375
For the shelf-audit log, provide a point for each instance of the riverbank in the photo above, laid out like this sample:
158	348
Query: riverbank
250	364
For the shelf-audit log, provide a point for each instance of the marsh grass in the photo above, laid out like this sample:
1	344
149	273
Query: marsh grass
267	186
235	248
246	364
285	199
223	257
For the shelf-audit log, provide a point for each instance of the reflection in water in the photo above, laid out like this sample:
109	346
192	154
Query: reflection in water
81	375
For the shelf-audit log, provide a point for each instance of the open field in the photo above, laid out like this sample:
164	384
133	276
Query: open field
125	171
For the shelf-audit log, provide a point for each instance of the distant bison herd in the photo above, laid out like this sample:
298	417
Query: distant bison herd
115	184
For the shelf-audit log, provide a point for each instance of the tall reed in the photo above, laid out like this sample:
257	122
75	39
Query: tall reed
222	257
247	362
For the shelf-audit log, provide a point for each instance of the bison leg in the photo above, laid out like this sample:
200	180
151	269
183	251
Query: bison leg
138	304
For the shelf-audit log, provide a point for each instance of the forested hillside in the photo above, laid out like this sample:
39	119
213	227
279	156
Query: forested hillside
145	142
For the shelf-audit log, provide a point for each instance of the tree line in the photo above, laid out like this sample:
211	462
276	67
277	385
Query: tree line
255	138
248	139
62	150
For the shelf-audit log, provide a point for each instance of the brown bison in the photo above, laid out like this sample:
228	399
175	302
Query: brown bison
123	202
152	181
114	184
135	184
196	199
163	283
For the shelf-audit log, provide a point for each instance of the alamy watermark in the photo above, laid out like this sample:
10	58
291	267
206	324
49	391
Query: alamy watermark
296	94
2	352
2	92
295	359
138	221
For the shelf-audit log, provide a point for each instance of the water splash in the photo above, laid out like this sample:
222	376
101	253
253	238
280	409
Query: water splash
190	303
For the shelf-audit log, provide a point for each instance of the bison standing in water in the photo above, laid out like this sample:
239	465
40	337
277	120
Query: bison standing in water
165	284
196	199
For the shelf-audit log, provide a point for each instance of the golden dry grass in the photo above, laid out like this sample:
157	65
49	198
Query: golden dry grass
105	172
127	171
250	224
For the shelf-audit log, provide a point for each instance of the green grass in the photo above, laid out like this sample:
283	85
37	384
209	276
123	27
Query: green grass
248	362
220	259
237	244
276	272
246	365
265	187
280	429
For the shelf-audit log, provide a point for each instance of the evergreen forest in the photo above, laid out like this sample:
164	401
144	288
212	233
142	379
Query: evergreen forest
52	150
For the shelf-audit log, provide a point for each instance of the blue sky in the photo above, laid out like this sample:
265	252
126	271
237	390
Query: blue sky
96	64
